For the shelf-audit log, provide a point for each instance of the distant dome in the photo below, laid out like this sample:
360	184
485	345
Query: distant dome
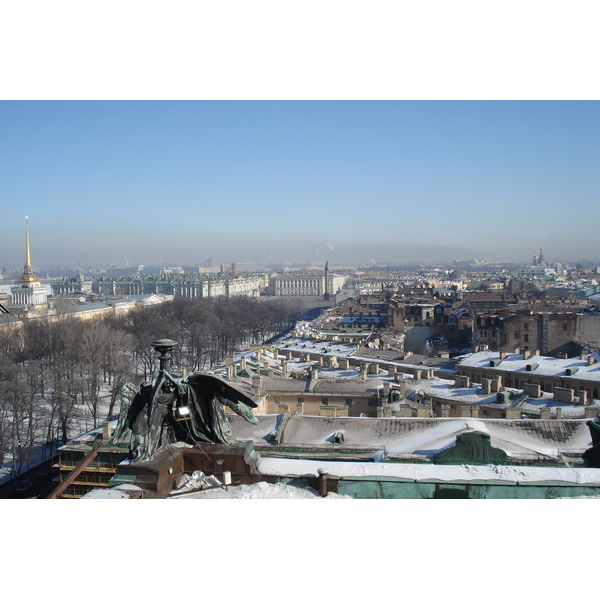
29	278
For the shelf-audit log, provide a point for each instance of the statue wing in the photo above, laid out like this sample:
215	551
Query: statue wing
128	394
214	387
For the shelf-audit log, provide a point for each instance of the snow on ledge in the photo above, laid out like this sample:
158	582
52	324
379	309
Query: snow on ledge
429	472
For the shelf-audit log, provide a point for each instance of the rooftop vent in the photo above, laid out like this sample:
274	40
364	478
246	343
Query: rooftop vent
502	397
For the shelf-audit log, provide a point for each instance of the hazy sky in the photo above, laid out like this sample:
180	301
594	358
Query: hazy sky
391	181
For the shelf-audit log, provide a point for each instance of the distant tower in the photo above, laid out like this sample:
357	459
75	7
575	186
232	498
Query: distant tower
29	290
326	294
233	269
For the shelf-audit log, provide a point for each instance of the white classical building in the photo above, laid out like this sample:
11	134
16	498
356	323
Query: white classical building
305	285
29	291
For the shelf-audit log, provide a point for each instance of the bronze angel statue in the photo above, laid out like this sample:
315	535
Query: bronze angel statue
173	409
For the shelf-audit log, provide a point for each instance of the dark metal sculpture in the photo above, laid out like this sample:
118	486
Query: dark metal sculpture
591	457
189	409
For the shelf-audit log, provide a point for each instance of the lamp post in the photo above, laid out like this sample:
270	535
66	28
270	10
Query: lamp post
164	347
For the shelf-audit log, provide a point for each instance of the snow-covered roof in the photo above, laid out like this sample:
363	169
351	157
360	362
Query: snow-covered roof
119	301
425	437
125	491
442	389
428	472
92	436
312	346
87	307
326	386
150	298
258	433
547	365
260	491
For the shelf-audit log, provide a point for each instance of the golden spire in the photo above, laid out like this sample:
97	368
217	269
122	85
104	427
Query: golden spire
28	275
27	252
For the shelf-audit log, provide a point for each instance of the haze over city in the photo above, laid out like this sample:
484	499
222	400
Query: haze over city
110	182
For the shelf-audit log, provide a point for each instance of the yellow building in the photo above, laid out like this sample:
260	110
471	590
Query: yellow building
324	397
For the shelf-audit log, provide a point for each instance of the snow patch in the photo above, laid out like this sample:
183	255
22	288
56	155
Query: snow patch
261	491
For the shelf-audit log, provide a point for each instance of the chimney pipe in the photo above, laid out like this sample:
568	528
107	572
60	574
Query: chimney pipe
322	482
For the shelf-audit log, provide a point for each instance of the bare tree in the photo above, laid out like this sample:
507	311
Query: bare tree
66	396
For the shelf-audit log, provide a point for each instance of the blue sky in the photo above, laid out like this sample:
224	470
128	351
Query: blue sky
347	181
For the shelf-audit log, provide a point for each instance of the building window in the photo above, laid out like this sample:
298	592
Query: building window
526	337
324	402
348	402
526	326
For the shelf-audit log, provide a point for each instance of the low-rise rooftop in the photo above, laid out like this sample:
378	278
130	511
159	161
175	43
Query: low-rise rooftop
546	365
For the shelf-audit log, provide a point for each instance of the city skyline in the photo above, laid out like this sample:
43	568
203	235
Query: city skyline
147	182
